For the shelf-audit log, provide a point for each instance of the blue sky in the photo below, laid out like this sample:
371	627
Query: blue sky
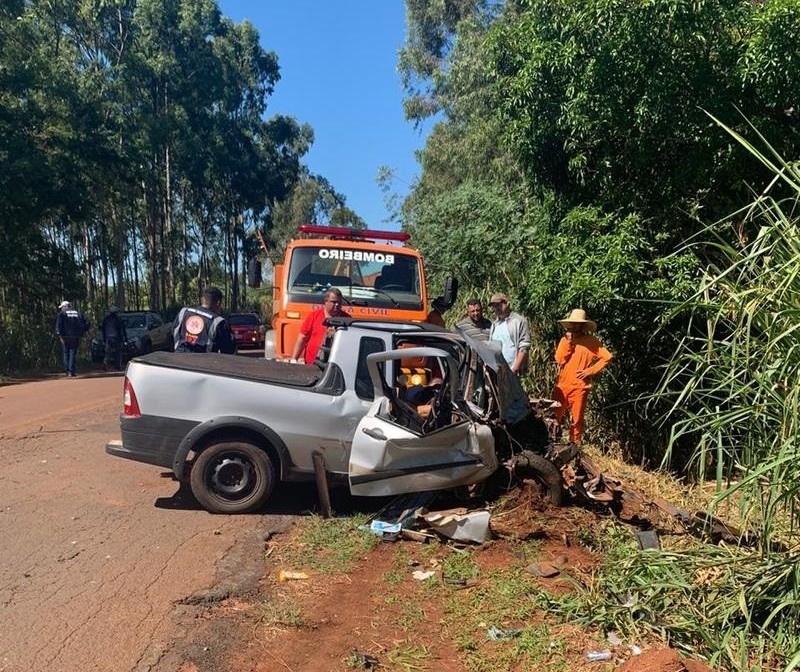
338	61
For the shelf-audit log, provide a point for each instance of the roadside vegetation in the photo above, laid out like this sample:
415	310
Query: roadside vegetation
137	160
573	156
603	154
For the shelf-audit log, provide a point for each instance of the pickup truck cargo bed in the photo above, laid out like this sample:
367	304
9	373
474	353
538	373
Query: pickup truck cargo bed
244	368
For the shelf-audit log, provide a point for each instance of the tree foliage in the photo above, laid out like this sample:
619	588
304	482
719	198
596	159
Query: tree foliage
313	200
136	158
588	121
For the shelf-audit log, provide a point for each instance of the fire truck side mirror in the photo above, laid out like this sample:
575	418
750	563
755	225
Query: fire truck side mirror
450	292
254	273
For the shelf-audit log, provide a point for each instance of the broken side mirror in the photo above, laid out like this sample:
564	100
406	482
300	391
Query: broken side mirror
254	273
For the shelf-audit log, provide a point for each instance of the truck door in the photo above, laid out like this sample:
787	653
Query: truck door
398	449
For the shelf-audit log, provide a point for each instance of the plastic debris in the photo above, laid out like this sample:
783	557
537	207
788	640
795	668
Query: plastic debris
288	575
415	535
382	527
419	575
597	656
648	539
494	633
635	650
613	638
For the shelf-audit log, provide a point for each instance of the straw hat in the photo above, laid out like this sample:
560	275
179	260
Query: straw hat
578	316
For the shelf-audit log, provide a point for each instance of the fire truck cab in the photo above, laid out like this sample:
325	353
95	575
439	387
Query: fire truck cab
379	276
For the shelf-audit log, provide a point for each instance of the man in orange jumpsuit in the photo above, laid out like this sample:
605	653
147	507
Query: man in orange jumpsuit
579	356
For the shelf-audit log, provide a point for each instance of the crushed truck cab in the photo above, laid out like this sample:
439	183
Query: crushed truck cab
231	427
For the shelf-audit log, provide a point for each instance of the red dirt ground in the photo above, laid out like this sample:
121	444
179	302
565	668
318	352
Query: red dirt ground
663	660
346	613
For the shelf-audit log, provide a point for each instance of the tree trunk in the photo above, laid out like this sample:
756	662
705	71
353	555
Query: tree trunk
151	252
169	248
87	263
119	257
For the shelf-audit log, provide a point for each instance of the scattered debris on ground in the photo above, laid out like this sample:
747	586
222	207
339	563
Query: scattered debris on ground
454	589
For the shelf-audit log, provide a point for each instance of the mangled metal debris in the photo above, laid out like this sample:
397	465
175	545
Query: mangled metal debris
561	474
461	524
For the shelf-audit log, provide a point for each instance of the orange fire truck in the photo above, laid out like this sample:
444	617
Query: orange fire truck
379	276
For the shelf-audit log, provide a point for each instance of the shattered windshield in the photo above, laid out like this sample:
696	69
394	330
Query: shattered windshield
365	277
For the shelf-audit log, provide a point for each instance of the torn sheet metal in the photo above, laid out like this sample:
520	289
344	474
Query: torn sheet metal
461	524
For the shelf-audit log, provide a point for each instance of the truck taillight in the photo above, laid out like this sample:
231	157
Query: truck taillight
130	406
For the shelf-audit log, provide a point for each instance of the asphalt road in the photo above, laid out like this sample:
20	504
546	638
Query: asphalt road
104	560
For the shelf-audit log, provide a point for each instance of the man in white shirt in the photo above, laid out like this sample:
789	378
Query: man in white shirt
511	330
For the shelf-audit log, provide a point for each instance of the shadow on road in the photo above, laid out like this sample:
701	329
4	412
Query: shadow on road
294	499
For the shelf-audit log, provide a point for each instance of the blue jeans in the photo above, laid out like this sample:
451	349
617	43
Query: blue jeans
70	350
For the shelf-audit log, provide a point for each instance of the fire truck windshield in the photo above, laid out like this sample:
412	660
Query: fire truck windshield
365	277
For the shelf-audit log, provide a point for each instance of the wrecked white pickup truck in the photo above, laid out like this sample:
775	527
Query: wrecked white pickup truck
390	407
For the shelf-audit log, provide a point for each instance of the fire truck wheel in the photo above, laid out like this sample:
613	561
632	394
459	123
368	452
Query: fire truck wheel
530	465
232	477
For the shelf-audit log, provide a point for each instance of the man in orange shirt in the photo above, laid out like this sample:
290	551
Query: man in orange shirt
579	356
313	332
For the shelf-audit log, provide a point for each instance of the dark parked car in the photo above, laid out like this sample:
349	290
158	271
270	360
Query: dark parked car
146	332
247	330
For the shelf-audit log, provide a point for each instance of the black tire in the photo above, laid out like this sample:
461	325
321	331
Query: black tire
538	468
232	477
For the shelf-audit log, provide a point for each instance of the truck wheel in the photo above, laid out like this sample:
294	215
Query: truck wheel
232	477
538	468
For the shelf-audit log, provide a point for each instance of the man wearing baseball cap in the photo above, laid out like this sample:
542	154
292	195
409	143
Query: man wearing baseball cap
511	330
70	328
579	356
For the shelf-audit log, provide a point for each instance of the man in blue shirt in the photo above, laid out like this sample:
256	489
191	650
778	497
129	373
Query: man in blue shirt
512	332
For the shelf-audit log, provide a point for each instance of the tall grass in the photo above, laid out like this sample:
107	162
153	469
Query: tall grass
733	393
731	607
734	382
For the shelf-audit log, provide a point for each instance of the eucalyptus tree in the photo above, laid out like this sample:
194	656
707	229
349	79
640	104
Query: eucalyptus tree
135	151
44	123
313	200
